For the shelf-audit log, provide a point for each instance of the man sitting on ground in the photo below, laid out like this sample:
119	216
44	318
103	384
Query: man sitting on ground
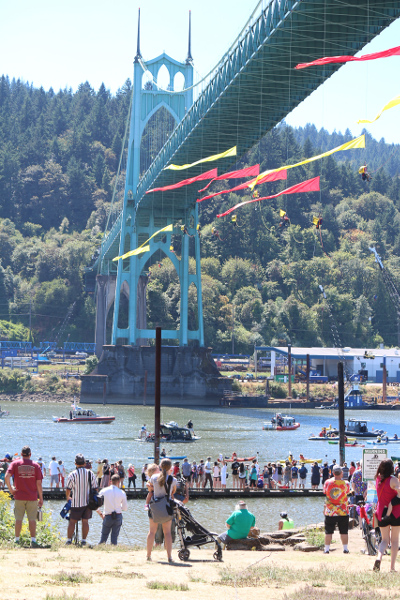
239	524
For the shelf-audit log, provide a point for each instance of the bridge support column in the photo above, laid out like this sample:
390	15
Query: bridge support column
185	282
142	307
103	292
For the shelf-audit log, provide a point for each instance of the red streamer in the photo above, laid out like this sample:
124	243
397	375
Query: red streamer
248	172
275	176
207	175
343	59
311	185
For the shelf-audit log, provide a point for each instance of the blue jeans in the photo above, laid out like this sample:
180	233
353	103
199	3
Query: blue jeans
113	525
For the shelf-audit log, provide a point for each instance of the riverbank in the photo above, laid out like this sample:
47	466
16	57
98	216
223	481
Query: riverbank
88	574
37	397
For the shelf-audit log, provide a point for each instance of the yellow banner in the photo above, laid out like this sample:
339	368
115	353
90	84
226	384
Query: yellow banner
391	104
230	152
356	143
144	248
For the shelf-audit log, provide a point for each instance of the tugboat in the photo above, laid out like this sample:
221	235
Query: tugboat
82	415
359	429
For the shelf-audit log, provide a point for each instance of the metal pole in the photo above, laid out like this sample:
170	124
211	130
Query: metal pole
384	380
255	362
341	413
290	369
308	378
157	399
233	329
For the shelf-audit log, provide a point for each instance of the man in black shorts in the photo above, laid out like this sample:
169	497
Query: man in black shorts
78	486
336	509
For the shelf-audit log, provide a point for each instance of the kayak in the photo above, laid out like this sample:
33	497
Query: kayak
350	444
170	457
302	460
329	439
230	459
384	442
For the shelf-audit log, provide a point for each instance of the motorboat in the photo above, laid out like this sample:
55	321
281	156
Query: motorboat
171	433
83	415
281	423
358	428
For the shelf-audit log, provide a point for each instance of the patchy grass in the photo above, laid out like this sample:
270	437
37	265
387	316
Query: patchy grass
118	548
166	585
63	597
194	579
122	575
64	578
315	537
350	581
311	593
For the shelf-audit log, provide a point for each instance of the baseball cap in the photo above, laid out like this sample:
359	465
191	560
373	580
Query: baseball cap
283	515
79	459
26	451
8	456
337	469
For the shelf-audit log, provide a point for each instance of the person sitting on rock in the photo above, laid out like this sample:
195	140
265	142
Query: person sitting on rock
239	524
285	522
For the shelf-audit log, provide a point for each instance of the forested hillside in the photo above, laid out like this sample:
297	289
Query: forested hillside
59	156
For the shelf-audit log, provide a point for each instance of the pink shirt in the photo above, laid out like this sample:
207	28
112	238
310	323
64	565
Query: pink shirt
385	495
25	473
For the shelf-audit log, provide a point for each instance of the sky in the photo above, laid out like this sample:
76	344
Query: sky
58	44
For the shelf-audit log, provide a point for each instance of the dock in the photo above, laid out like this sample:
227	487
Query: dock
196	494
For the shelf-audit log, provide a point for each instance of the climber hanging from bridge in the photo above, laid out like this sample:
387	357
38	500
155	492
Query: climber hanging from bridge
317	221
365	176
284	219
215	233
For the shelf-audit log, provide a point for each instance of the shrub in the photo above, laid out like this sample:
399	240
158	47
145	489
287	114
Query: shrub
46	533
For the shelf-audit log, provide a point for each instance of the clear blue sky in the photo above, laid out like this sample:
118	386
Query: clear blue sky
59	44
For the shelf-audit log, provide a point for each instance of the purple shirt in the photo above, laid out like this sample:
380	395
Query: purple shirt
360	486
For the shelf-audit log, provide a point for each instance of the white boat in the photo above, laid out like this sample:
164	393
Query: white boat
171	433
281	423
83	415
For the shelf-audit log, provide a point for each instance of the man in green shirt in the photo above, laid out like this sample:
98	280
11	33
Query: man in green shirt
239	524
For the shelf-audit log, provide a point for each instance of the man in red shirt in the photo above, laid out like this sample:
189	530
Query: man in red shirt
26	490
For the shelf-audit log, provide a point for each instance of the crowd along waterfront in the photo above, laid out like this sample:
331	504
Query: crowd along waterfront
222	431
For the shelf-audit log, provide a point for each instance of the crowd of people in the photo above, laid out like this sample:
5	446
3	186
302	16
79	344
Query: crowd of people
24	477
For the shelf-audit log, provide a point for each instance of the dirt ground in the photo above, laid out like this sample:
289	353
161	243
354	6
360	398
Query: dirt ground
115	574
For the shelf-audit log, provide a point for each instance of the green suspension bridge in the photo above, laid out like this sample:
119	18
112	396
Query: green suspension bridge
253	87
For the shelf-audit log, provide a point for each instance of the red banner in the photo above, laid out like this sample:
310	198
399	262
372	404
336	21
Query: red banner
311	185
248	172
275	176
207	175
343	59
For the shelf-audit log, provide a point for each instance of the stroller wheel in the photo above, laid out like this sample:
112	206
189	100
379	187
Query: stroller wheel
218	555
184	554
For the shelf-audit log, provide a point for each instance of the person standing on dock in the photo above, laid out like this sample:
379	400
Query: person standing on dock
53	472
208	473
303	475
235	474
223	475
26	491
61	474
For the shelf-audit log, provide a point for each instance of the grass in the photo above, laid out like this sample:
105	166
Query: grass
122	575
118	548
350	581
311	593
315	537
64	578
63	597
194	579
165	585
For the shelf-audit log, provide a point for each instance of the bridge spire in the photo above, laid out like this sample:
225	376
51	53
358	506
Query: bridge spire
138	54
189	58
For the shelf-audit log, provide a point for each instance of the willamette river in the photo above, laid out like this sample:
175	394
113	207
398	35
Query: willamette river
221	430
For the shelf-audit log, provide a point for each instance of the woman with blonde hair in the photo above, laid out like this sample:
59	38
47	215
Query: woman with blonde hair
160	485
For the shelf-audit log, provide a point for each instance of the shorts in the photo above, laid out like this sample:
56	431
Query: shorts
25	506
187	477
53	479
80	512
341	521
393	522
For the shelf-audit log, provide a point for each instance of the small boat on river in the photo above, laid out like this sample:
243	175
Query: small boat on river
234	458
81	415
281	423
171	433
4	413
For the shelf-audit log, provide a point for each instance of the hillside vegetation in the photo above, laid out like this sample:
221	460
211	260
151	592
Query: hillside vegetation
59	157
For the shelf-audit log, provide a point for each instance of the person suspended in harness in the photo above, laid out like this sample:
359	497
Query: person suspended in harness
284	220
365	176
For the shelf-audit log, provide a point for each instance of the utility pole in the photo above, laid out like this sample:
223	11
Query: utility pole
308	378
289	347
341	413
233	328
30	320
384	381
157	398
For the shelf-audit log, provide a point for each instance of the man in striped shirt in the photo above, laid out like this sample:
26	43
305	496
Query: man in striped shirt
78	487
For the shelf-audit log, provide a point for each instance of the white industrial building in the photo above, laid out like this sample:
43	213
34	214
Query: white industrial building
368	362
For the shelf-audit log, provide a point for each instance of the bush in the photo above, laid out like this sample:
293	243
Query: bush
46	533
12	381
315	537
278	391
91	363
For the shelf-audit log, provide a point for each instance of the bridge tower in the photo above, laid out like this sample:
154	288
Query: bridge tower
139	224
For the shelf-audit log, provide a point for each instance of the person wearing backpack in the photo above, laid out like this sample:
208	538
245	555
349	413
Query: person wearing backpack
295	475
336	509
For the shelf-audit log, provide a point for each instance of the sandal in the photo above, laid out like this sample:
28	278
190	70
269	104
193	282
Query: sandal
148	559
377	565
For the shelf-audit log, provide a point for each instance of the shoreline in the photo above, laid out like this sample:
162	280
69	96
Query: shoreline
87	574
36	397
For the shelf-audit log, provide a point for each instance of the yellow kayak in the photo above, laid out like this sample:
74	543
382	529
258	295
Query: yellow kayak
300	460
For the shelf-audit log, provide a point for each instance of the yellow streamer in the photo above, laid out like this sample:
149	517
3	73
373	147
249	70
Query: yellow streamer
143	248
391	104
230	152
356	143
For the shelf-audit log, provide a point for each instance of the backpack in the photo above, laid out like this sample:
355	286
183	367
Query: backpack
121	472
200	469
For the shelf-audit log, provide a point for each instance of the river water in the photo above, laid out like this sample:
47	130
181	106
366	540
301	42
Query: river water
222	431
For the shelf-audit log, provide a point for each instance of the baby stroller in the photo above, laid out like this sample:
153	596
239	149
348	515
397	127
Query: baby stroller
199	535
